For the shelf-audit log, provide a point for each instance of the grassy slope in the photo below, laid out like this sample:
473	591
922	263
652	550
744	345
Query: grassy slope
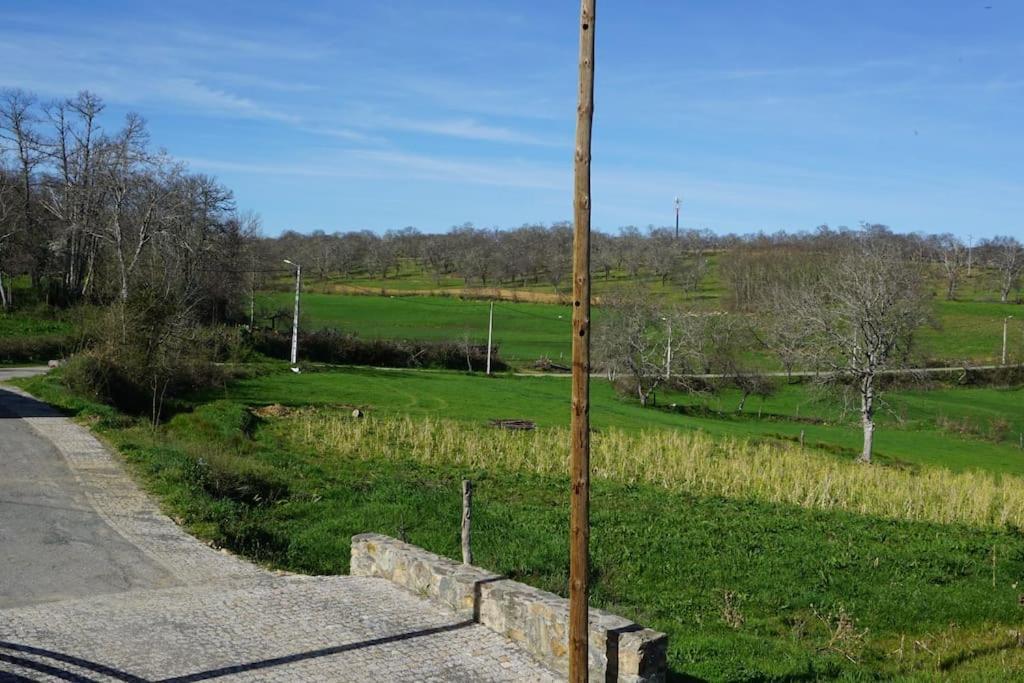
666	559
974	330
522	331
31	337
968	330
545	400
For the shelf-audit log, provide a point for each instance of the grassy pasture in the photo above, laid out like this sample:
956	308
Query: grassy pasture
31	337
909	433
974	330
525	331
411	278
747	589
687	461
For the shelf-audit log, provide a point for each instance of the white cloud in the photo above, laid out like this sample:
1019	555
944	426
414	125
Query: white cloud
191	92
367	163
465	128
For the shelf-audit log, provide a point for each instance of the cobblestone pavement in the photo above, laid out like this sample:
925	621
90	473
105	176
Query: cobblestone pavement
191	613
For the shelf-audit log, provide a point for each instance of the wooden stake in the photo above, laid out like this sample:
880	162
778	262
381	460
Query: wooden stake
467	520
579	515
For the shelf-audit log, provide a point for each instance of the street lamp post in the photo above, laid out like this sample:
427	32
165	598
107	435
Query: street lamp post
295	319
1006	321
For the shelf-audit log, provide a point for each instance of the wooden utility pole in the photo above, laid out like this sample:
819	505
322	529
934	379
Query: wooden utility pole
579	515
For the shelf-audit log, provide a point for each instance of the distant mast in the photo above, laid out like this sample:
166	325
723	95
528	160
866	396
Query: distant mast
678	202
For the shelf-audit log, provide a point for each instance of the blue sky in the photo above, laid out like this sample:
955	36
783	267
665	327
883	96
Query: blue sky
762	114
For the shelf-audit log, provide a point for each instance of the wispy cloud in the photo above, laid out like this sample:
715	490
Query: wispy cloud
465	128
190	92
367	163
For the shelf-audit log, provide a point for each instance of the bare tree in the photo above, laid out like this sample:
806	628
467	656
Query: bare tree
380	255
630	339
557	255
437	254
859	317
652	343
727	339
75	193
1006	255
952	255
19	136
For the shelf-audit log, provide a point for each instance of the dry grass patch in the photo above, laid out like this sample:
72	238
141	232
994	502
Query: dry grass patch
689	461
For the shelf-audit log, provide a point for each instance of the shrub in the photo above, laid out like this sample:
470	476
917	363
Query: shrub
236	478
97	375
124	380
35	349
331	346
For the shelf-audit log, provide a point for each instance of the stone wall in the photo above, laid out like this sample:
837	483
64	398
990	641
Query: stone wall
538	621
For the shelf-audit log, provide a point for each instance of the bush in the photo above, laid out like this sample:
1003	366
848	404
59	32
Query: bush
36	349
97	376
236	478
331	346
122	380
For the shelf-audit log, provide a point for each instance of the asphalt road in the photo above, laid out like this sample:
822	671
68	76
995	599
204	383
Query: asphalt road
96	583
53	544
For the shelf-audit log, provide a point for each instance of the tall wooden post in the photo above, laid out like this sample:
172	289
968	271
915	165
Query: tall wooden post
467	521
579	515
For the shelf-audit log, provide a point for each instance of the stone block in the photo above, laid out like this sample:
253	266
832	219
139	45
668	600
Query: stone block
537	621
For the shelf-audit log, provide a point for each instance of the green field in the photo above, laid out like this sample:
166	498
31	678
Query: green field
748	586
745	590
412	278
908	434
974	330
32	337
523	332
965	330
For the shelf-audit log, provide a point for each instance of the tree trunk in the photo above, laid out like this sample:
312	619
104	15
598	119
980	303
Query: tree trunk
867	416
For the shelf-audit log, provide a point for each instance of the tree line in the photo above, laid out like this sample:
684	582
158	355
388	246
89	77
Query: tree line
843	307
99	219
540	254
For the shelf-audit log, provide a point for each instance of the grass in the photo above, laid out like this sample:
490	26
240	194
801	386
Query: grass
746	589
411	279
523	332
32	336
967	331
910	433
21	324
687	461
974	330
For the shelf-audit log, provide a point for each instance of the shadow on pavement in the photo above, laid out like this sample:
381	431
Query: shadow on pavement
53	668
13	406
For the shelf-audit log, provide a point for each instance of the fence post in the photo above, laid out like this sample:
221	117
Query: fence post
467	518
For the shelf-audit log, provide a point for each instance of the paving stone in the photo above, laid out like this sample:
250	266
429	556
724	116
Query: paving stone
228	619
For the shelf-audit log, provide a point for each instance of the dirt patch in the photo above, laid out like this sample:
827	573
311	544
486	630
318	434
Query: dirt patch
273	410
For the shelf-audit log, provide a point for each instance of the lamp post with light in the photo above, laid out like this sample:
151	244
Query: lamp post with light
295	319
